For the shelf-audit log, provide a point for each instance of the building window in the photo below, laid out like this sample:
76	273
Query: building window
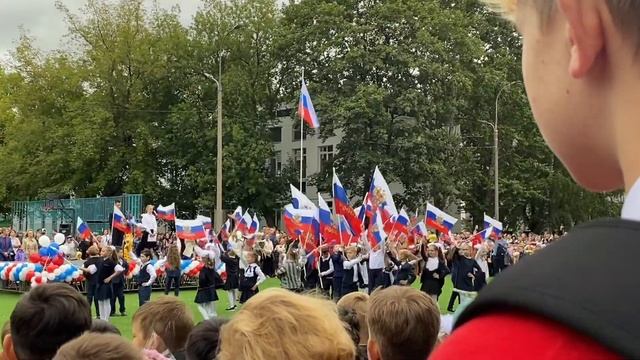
276	134
296	159
326	157
296	131
304	187
284	112
275	164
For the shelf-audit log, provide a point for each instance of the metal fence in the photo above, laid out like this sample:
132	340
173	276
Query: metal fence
61	214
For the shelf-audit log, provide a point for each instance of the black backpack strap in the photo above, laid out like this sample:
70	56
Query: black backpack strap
588	281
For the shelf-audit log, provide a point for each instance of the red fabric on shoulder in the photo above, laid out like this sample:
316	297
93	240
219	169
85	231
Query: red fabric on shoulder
512	335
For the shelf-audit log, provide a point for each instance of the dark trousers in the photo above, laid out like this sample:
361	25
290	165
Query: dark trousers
452	300
337	288
118	293
168	281
144	294
145	244
326	285
376	279
91	296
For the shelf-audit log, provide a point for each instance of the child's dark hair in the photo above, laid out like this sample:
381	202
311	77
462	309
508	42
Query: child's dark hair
202	343
47	317
146	252
103	327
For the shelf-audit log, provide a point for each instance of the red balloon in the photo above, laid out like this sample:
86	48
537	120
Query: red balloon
38	279
34	258
51	268
58	260
44	260
132	266
30	274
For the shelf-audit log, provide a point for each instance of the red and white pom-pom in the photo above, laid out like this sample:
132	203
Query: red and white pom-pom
38	279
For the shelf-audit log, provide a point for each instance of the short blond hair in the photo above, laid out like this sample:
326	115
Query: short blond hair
624	12
96	346
309	326
358	303
169	318
404	322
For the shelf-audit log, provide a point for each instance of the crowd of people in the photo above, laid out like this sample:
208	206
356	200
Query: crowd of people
356	300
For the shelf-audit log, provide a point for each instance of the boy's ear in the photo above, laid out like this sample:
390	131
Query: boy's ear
8	351
586	34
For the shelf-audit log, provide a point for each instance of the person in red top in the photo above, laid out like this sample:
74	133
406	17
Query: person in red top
581	71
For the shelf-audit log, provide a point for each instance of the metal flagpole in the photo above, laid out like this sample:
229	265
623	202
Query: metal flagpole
301	135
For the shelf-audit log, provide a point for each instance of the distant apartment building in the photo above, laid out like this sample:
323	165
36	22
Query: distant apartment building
317	153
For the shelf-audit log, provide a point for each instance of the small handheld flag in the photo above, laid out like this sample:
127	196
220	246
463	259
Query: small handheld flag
83	229
496	226
120	222
167	213
439	220
190	229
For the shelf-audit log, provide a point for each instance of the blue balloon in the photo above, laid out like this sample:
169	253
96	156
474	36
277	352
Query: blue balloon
38	268
43	252
16	273
51	252
54	246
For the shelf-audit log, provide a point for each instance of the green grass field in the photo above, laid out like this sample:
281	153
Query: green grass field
8	301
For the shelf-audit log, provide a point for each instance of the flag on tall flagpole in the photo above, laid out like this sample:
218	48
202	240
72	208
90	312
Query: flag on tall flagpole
167	213
439	220
83	229
305	108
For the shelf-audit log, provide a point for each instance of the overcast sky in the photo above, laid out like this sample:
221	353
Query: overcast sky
45	23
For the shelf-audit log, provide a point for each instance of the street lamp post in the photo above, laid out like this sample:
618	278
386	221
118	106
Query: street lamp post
496	174
218	215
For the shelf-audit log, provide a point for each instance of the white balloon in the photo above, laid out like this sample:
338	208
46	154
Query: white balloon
56	272
51	276
59	238
44	241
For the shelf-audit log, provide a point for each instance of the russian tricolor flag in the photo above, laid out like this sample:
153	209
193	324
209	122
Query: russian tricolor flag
167	213
305	108
401	224
83	229
255	225
341	203
327	229
496	232
245	223
346	235
376	232
439	220
206	221
299	200
483	235
120	222
190	229
420	229
300	222
380	197
226	230
237	215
